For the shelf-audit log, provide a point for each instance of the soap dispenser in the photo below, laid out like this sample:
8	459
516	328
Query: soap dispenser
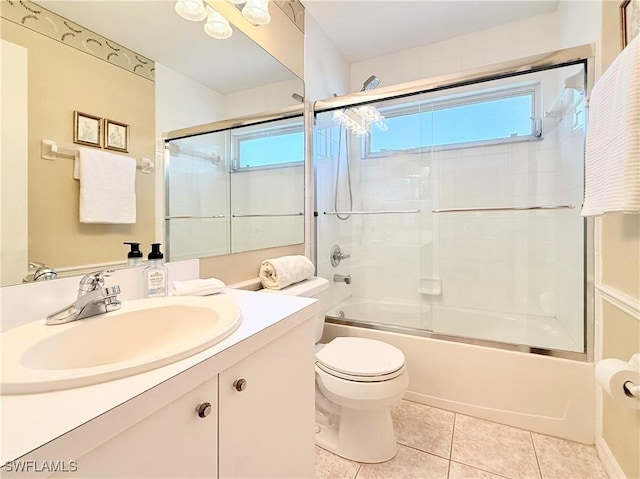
156	275
134	258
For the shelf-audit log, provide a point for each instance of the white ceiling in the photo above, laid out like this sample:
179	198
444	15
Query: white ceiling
364	29
361	29
153	29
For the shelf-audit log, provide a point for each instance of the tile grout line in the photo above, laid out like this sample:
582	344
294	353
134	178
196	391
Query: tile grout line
453	433
535	453
358	471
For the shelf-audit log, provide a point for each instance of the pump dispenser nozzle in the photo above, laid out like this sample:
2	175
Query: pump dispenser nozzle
134	258
155	251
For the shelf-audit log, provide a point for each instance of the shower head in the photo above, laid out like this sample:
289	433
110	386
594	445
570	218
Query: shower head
370	83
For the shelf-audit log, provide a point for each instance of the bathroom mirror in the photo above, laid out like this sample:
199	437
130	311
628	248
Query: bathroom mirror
176	77
232	187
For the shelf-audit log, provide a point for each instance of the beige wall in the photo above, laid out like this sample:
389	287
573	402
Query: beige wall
61	80
619	275
621	426
234	268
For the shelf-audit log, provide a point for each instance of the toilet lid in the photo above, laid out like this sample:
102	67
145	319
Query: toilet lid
360	357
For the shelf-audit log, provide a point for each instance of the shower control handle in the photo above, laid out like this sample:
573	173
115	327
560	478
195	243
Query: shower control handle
337	255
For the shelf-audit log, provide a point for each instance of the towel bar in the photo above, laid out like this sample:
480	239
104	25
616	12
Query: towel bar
49	150
505	208
267	216
372	212
185	217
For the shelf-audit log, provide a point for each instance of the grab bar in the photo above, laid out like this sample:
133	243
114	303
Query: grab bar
267	216
193	217
380	212
505	208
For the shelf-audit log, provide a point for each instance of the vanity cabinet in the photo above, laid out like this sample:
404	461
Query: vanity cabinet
259	423
266	423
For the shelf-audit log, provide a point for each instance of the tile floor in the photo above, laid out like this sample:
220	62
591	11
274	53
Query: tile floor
434	443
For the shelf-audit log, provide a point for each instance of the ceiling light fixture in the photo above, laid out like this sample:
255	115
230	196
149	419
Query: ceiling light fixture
257	12
217	26
192	10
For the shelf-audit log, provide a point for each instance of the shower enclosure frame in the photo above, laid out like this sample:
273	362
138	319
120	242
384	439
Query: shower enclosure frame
584	54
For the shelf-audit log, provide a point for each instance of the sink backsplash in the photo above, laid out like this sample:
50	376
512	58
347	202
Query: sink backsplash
24	303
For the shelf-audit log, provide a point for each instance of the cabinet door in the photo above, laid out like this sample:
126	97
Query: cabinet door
267	429
172	442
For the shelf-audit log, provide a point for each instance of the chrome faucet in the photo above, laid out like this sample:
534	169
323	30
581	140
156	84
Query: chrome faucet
93	299
342	278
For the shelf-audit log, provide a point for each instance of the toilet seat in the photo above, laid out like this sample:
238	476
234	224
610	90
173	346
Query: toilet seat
361	359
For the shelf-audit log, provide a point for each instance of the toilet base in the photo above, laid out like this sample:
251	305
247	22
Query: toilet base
359	435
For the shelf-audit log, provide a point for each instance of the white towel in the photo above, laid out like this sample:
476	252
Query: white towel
280	272
107	187
612	169
198	287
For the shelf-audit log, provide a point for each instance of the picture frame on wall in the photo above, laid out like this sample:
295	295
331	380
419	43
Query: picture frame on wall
87	129
629	21
116	136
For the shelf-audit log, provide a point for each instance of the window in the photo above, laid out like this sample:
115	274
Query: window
269	147
473	119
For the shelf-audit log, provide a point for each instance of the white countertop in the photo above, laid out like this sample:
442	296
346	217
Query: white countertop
32	420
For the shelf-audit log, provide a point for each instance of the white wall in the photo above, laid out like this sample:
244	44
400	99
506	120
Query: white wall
326	72
13	168
574	23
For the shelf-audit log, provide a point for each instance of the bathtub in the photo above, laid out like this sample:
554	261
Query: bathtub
544	394
512	328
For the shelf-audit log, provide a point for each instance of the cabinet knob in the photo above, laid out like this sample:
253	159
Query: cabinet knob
203	409
240	384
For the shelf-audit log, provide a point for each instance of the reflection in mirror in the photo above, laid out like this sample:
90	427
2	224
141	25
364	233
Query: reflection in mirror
235	190
197	194
63	59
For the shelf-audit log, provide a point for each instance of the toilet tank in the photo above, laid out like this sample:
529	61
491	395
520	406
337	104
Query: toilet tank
314	287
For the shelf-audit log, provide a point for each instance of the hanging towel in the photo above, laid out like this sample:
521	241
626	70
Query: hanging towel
612	169
107	187
280	272
198	287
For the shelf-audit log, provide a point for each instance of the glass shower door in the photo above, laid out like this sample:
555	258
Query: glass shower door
506	217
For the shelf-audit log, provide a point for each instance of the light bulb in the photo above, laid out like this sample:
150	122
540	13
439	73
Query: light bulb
192	10
217	26
257	12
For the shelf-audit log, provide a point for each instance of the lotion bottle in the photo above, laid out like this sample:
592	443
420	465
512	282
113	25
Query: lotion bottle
156	276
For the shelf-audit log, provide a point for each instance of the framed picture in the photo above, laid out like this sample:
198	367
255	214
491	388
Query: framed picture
86	129
629	21
116	136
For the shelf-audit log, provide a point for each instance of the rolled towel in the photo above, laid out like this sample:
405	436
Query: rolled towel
280	272
198	287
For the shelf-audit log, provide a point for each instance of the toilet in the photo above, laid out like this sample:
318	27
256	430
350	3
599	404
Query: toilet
357	382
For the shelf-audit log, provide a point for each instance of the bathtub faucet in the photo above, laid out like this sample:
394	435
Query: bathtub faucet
342	278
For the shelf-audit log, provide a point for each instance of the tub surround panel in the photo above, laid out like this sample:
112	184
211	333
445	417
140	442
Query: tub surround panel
28	422
542	394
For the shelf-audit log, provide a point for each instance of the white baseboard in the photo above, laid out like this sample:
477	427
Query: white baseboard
608	460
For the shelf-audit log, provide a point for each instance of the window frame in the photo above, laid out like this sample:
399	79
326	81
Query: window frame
534	88
257	132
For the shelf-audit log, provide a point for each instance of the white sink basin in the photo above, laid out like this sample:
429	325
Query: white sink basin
142	335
